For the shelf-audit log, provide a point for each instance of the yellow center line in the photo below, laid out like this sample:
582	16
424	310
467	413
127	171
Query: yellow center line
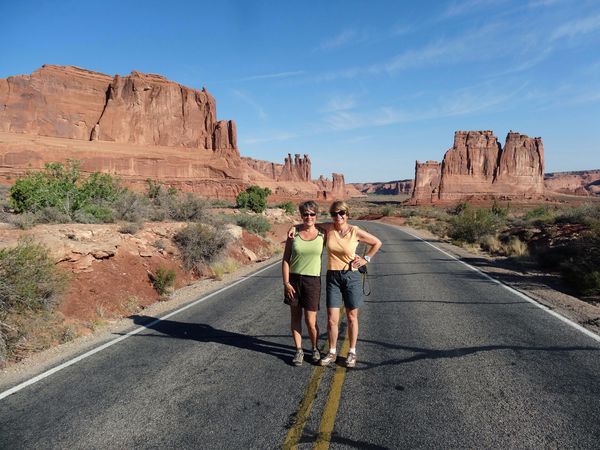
331	406
333	401
295	433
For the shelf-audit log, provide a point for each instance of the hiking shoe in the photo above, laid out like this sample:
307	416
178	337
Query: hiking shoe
298	358
351	360
330	357
316	356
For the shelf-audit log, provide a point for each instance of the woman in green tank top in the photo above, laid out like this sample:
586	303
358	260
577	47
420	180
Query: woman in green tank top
301	271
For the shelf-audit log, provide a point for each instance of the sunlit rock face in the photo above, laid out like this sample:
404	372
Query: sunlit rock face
142	109
137	127
477	166
585	182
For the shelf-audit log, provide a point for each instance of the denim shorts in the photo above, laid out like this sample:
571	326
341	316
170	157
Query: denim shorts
344	287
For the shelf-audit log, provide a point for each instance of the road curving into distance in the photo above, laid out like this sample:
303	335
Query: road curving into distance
446	359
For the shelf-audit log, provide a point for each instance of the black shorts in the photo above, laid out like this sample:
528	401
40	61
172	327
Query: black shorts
308	290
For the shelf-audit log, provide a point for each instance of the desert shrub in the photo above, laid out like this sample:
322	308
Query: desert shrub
587	214
439	228
23	221
131	227
132	207
254	224
29	278
387	210
253	198
163	280
498	210
187	208
220	203
288	207
515	247
471	224
200	244
63	188
220	268
458	208
491	244
50	214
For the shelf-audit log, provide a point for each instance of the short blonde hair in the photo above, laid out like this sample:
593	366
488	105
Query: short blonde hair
338	206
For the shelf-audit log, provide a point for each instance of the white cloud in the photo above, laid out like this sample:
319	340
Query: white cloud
343	38
340	103
577	27
275	136
273	75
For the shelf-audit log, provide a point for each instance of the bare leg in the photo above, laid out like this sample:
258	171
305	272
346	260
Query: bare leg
352	316
333	318
310	317
296	325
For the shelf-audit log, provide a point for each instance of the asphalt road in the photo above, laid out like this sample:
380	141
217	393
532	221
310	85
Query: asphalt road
447	359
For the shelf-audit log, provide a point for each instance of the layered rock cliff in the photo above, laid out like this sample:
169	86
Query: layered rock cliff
585	182
137	126
388	188
477	166
143	109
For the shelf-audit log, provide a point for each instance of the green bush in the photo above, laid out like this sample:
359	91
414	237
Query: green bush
470	224
29	279
254	224
200	244
132	207
164	280
253	198
387	210
288	207
63	189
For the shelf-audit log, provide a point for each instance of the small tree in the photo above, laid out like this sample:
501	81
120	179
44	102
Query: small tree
253	198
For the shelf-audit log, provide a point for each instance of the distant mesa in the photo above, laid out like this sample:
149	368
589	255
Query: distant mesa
478	166
137	126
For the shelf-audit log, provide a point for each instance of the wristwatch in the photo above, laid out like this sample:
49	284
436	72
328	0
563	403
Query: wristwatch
367	258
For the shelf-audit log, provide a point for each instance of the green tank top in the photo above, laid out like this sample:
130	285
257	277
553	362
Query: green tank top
306	255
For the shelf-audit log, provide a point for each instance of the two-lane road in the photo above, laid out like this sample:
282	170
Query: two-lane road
447	359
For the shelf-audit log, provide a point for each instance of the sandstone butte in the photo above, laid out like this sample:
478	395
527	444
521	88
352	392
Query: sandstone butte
478	167
138	127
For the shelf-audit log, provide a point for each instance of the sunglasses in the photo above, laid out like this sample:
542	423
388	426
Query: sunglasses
309	214
341	213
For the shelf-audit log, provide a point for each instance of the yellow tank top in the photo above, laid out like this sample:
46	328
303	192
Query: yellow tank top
341	250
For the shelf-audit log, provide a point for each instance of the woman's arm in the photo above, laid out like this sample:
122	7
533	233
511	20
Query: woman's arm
327	227
369	239
288	290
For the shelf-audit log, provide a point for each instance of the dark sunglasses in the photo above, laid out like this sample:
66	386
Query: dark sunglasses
309	214
341	213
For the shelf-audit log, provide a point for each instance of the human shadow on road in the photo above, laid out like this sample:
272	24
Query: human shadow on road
420	353
201	332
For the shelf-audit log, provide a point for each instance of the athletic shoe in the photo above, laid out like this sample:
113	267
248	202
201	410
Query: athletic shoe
330	357
316	356
351	360
298	358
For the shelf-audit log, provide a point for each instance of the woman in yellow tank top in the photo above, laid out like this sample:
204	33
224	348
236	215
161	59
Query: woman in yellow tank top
344	287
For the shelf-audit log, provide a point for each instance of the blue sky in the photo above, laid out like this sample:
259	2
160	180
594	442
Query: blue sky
364	87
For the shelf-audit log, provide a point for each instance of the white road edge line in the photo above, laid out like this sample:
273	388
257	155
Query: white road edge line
514	291
121	338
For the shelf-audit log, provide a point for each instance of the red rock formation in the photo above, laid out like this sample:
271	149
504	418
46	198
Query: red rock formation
470	165
142	109
53	101
137	127
476	166
586	182
427	181
296	170
389	188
